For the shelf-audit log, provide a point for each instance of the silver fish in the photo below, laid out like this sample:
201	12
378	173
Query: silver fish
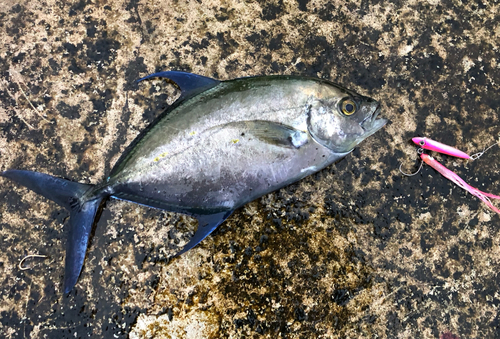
221	145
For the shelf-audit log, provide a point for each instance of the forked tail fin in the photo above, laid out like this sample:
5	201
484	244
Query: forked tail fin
82	213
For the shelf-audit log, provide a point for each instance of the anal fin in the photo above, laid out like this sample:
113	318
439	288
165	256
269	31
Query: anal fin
206	225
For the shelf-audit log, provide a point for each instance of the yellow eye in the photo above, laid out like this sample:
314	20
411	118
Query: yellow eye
348	107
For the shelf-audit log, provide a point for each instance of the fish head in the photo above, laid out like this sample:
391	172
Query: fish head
340	119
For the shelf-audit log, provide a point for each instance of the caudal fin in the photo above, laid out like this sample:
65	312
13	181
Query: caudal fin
82	213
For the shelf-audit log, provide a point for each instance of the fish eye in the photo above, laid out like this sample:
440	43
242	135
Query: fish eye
348	107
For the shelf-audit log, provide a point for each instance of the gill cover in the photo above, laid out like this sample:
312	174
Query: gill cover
342	121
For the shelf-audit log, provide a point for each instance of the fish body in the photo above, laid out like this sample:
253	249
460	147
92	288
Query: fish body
218	147
226	147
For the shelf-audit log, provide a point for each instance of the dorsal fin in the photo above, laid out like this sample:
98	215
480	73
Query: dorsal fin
189	83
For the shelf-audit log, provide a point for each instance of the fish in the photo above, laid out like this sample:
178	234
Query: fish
219	146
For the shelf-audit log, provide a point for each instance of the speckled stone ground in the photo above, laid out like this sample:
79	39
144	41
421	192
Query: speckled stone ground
355	251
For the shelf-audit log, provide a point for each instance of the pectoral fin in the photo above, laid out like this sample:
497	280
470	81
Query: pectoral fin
206	225
274	133
189	83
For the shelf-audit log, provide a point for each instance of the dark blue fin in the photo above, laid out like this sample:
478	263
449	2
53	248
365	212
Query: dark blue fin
206	225
67	194
62	192
80	221
189	83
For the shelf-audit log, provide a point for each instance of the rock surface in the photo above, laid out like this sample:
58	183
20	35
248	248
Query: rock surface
355	251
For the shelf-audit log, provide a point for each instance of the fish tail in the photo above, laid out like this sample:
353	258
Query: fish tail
72	196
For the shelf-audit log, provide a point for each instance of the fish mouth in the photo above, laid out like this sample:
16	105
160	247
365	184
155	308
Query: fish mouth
371	124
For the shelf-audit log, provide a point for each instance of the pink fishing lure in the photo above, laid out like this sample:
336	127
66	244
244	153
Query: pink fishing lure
485	197
432	145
